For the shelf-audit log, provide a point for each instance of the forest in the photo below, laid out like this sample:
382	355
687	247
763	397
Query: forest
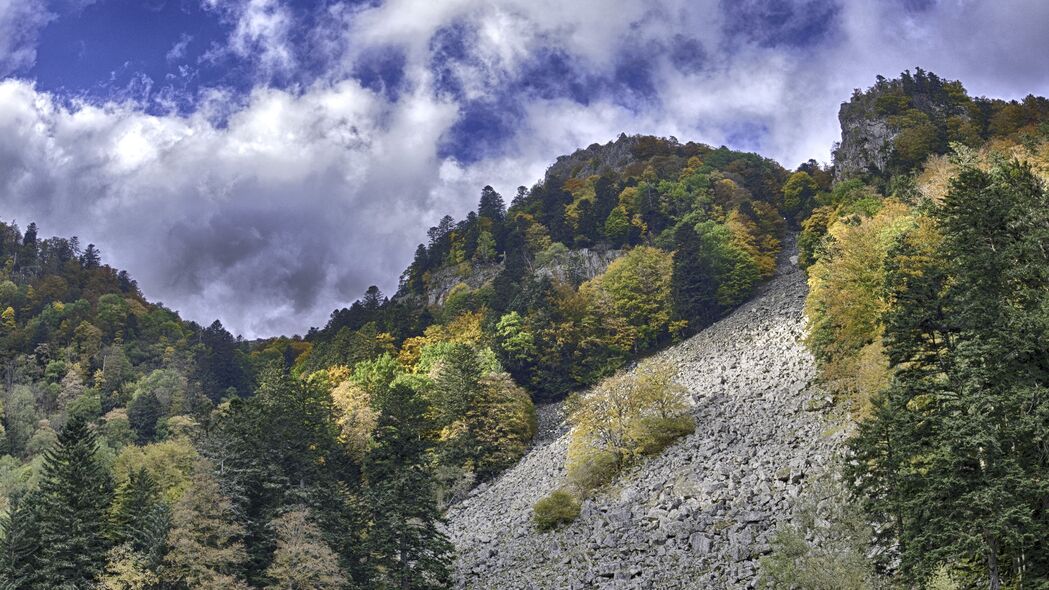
143	451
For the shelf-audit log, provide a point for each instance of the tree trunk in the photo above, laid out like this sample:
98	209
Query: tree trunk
993	574
406	583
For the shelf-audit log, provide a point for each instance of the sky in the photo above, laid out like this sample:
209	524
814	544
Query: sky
264	161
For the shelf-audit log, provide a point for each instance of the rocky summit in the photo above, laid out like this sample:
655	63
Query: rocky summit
701	514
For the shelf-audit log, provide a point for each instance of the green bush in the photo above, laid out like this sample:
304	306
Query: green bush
655	433
592	469
559	508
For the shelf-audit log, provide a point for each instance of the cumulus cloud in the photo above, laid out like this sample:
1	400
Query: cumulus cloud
269	209
266	221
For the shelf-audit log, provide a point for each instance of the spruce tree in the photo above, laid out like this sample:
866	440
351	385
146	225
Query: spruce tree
407	549
693	285
75	493
20	549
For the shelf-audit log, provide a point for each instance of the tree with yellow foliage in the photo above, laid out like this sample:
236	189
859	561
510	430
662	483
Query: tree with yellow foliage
626	416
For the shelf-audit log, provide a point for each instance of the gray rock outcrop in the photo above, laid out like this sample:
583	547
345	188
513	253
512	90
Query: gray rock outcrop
699	515
595	159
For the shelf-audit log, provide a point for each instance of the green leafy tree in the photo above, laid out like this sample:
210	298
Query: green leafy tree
485	251
302	560
205	547
617	226
636	288
799	192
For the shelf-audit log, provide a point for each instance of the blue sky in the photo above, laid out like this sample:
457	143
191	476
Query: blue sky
264	161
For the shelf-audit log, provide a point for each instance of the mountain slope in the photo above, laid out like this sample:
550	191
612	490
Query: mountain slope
697	516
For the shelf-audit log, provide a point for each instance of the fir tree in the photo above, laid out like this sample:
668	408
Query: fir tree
143	413
139	518
407	549
20	548
953	462
693	286
75	492
281	448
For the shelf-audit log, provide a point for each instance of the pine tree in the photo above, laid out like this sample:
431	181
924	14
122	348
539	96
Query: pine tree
20	548
302	560
75	493
139	517
205	550
693	286
407	549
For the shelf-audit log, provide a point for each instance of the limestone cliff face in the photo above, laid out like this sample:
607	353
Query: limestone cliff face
873	121
573	267
595	159
866	139
445	279
578	266
699	515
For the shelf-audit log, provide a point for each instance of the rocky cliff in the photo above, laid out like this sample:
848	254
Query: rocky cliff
866	139
892	127
572	267
699	515
595	159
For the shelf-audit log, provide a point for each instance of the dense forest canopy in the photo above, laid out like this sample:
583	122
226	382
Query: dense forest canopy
144	451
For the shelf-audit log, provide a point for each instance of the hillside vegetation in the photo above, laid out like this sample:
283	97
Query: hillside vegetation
140	450
928	293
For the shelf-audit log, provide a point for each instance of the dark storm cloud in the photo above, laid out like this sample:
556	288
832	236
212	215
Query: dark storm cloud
269	205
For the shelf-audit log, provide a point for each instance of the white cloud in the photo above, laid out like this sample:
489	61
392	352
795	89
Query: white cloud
262	33
20	24
270	210
178	50
265	222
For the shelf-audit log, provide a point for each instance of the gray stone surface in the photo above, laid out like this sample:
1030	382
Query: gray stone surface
698	516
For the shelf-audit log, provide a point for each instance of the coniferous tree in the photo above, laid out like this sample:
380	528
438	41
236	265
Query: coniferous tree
142	414
693	286
491	205
20	565
75	493
281	448
407	549
139	517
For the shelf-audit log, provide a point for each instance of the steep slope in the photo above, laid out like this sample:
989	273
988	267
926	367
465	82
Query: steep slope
701	514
